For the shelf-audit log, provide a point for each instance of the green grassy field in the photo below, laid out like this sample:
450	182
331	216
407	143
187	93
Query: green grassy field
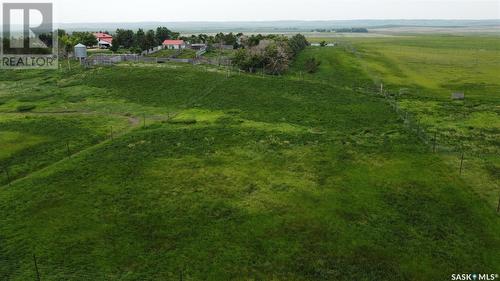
164	53
232	178
421	72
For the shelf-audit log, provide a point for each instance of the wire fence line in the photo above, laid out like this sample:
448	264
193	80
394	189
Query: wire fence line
109	60
438	139
434	137
38	268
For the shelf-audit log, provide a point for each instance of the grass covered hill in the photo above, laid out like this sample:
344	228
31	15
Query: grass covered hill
230	178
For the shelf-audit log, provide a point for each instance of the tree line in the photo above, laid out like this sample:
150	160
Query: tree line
133	41
140	40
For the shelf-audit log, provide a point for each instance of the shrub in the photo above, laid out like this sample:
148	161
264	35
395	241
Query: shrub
274	54
298	43
26	107
312	65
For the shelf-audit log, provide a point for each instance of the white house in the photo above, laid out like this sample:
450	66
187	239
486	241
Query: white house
174	44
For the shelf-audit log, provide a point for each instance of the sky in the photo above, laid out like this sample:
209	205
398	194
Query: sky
77	11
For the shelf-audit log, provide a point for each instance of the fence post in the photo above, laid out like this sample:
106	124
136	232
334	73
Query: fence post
144	120
435	141
461	163
67	149
36	268
8	175
498	208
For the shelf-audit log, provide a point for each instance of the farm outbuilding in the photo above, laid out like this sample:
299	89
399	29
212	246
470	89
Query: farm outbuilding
104	40
174	44
80	51
198	46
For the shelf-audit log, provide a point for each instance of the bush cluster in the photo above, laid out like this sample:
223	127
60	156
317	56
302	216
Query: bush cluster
273	55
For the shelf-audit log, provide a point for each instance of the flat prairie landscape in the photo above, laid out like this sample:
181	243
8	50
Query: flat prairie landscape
193	172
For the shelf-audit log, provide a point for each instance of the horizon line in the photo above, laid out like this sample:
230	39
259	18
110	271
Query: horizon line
285	20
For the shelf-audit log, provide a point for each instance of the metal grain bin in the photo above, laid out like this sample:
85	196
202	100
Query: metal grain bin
80	51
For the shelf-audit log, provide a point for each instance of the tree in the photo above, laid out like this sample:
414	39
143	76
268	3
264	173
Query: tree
230	39
240	59
272	52
298	43
61	32
163	33
175	35
125	38
115	45
151	40
86	38
247	60
66	44
277	57
323	43
254	40
203	38
140	39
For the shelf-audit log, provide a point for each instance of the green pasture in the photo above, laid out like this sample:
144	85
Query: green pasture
164	53
180	54
422	72
246	177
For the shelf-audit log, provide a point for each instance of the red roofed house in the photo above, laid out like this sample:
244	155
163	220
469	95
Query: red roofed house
174	44
104	40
